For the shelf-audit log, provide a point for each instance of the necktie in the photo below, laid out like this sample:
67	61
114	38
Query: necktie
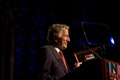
64	61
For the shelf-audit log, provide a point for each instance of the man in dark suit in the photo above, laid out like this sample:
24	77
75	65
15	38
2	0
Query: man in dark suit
50	64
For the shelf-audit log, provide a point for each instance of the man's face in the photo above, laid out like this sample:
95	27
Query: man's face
63	39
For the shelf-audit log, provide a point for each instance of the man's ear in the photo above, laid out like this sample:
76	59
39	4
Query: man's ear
56	38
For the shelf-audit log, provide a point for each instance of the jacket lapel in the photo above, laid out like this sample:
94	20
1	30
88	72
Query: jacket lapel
57	56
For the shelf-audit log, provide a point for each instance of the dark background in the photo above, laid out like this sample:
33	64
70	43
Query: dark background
24	25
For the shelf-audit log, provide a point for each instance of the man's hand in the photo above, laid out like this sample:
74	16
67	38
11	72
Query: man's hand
77	64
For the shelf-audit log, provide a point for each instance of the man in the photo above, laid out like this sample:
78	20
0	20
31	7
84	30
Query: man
51	65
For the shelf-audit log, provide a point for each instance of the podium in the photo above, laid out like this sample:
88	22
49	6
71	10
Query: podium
95	69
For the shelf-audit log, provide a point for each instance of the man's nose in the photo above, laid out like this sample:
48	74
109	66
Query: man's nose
68	39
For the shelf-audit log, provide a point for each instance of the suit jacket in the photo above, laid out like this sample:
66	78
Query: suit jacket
49	64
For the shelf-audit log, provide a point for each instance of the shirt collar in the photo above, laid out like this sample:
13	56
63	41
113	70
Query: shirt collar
57	49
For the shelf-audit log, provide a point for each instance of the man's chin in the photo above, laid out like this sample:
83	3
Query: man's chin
65	47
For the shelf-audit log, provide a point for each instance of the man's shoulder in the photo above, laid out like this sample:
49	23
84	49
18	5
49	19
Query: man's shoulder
47	49
47	46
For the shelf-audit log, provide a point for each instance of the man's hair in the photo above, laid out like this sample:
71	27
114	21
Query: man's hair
55	29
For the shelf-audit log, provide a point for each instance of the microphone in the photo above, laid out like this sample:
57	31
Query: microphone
94	53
